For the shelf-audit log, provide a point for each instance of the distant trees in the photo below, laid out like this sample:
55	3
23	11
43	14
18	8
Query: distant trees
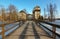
8	14
40	18
13	12
52	11
3	14
45	14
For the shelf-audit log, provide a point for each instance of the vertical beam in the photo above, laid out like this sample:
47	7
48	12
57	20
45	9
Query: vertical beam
53	34
19	23
3	32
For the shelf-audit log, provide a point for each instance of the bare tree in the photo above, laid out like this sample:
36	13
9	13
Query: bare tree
44	13
55	11
3	14
51	11
13	12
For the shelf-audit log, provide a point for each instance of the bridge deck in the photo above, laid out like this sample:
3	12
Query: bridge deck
29	30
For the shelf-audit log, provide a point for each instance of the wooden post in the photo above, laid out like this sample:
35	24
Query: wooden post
19	23
54	30
3	32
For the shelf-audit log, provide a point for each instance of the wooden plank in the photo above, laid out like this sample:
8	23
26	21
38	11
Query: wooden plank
29	34
41	32
16	33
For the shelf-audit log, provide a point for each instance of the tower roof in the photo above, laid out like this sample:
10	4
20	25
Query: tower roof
37	8
23	11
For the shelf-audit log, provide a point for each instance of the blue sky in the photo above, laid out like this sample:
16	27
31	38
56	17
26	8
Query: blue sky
30	4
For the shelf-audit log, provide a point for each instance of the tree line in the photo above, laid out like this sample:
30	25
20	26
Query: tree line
9	14
50	12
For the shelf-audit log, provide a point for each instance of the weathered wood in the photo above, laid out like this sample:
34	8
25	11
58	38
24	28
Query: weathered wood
53	34
52	24
29	33
3	31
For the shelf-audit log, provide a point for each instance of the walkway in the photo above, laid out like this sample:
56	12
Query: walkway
29	30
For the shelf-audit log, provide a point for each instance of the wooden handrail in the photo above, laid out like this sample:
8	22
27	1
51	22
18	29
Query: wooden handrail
3	30
50	30
9	28
54	26
8	23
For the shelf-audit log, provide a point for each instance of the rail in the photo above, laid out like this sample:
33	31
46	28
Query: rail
54	26
3	29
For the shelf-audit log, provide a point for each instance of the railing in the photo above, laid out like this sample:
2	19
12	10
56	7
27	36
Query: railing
3	30
54	26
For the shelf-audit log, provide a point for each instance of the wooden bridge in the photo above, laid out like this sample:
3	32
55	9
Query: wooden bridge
30	30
